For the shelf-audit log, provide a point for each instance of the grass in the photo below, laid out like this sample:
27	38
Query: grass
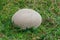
48	30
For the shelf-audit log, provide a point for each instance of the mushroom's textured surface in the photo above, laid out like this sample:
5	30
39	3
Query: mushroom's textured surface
27	18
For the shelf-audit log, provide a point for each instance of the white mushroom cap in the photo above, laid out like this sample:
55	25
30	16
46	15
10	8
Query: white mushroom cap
27	18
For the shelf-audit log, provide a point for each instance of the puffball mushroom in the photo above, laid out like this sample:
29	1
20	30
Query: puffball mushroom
27	18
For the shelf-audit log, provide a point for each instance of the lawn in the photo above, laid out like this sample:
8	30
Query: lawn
48	30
